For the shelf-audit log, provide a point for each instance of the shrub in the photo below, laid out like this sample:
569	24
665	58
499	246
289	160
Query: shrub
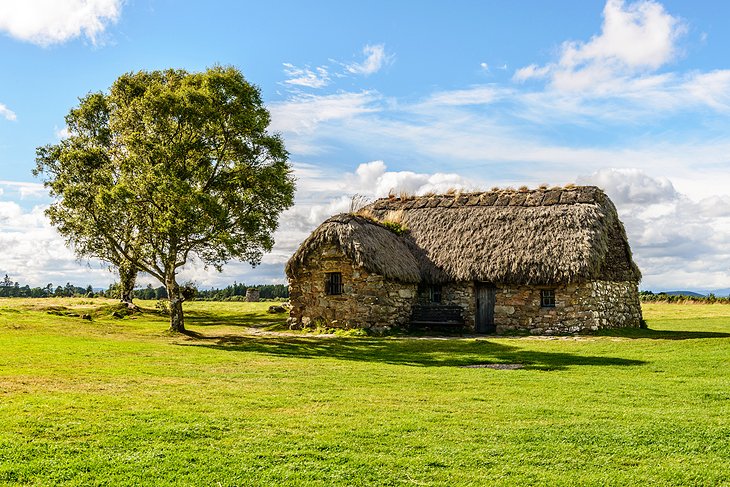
163	307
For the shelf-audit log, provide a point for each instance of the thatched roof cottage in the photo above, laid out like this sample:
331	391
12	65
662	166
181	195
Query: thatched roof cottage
545	260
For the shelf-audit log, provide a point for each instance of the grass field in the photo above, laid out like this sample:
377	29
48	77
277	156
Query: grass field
113	401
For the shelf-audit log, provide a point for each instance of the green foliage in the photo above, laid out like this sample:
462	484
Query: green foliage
395	227
78	172
114	401
650	297
163	307
169	165
237	291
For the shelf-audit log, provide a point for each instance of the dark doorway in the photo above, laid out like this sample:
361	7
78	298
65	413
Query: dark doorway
486	294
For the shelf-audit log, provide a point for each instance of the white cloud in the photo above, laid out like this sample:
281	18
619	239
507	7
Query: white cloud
7	113
477	95
632	186
24	189
46	22
303	113
319	78
531	71
615	75
635	38
375	59
34	254
640	35
678	242
323	194
372	179
712	89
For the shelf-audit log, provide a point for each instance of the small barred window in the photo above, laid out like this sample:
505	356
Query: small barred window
547	298
434	293
334	283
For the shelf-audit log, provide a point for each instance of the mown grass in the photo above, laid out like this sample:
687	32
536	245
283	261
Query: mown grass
120	402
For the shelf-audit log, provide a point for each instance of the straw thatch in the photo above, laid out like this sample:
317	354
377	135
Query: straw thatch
544	236
365	242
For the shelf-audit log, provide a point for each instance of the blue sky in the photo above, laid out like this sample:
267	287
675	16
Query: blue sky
390	96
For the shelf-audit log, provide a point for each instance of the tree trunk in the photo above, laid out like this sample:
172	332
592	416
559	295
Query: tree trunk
174	294
127	280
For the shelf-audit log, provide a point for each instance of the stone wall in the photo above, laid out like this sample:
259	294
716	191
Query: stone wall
368	300
578	307
462	294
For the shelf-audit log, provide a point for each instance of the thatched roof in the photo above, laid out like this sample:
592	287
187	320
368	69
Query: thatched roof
543	236
366	242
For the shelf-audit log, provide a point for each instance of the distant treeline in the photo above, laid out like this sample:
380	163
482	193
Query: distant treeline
13	289
237	292
234	292
650	297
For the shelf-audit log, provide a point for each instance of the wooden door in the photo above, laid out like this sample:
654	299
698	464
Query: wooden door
486	294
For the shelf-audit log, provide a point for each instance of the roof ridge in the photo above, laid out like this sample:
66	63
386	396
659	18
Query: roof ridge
501	197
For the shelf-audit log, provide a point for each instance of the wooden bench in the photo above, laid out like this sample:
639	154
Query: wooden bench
436	316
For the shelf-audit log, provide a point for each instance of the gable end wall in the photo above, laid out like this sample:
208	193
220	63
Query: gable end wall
369	301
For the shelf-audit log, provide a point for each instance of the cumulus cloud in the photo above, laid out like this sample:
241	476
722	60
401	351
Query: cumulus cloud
46	22
321	195
639	35
375	59
632	186
635	38
677	241
329	195
373	179
33	253
7	113
616	74
317	78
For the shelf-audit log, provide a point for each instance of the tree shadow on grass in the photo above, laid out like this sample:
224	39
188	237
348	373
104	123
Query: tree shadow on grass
413	352
261	320
659	334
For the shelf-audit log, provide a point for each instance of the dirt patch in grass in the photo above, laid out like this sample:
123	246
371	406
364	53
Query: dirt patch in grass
494	366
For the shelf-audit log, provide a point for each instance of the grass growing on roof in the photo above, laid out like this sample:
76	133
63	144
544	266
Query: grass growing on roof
119	401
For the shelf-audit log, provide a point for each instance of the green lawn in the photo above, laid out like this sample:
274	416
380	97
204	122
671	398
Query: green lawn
121	402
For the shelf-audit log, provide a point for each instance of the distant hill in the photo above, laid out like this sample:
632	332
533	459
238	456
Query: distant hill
689	294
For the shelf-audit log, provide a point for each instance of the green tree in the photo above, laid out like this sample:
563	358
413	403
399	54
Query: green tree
78	172
191	169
